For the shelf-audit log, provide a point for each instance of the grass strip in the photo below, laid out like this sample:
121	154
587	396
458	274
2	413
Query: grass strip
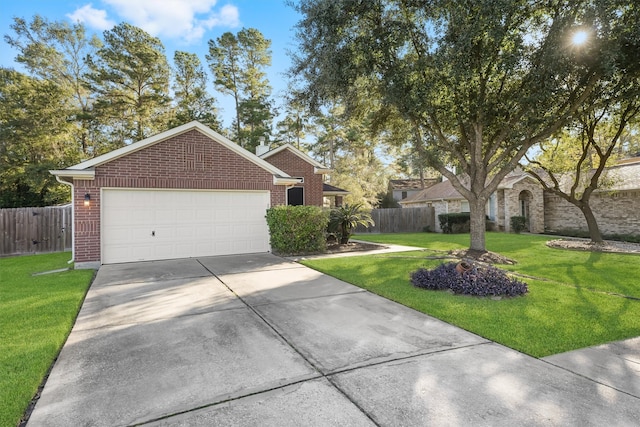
575	303
36	316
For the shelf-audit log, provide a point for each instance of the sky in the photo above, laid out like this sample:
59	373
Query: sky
185	25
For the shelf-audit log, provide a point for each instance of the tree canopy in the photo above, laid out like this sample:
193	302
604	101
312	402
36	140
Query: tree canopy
238	63
130	74
34	137
190	93
482	81
81	97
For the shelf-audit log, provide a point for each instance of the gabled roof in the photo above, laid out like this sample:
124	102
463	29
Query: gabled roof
626	175
85	168
319	168
441	191
330	190
510	180
623	176
411	184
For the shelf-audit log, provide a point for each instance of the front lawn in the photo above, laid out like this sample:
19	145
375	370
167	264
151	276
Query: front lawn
575	300
36	315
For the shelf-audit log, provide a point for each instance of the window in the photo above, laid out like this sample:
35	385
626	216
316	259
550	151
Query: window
464	206
295	196
492	207
404	195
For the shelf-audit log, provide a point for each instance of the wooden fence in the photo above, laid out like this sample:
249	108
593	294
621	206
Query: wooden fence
401	220
35	230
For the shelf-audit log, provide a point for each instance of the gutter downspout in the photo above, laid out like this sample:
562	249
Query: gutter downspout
73	219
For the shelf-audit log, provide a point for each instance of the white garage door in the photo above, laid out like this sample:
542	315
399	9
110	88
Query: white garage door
143	225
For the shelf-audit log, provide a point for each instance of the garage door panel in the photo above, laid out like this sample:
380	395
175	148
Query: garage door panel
166	216
186	224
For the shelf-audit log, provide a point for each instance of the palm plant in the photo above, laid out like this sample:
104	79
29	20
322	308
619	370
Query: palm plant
343	219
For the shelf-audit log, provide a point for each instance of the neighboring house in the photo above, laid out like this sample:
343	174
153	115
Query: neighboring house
404	188
616	208
182	193
518	194
441	196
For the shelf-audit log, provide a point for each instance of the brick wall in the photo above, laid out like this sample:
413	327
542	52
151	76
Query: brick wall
616	213
290	163
187	161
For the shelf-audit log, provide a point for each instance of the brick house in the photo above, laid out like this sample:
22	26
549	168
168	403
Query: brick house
616	207
182	193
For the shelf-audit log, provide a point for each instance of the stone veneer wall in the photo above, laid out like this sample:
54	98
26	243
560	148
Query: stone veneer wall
616	213
509	205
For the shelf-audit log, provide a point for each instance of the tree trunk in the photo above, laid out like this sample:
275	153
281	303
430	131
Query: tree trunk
594	230
346	234
477	225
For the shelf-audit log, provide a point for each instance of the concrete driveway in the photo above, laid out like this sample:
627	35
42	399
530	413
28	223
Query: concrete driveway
259	340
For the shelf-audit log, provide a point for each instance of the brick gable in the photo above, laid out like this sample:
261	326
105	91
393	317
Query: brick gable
297	167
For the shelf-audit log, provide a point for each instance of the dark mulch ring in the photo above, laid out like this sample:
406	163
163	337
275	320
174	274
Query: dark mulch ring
336	248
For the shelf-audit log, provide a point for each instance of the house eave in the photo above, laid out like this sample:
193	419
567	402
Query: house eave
317	165
286	180
88	175
322	171
163	136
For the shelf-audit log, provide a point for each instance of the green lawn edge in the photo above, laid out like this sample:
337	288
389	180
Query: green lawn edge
575	300
36	317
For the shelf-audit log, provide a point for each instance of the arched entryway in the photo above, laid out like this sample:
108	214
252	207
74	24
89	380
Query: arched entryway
524	199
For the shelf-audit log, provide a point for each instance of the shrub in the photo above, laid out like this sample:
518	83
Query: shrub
343	219
297	230
455	222
518	223
483	281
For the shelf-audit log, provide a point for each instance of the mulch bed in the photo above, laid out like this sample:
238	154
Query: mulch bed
336	248
587	245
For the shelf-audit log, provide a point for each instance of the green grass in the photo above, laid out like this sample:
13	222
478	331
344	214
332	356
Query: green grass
36	316
574	302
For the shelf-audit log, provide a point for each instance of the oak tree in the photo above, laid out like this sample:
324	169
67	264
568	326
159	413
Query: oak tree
484	81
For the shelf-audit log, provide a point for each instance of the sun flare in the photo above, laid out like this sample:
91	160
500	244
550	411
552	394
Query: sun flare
580	37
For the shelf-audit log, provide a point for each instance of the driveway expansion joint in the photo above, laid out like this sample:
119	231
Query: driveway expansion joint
262	304
294	348
393	359
578	374
261	317
231	399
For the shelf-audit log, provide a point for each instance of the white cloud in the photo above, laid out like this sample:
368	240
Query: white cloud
92	18
180	19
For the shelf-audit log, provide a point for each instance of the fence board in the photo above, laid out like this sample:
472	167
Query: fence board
35	230
400	220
